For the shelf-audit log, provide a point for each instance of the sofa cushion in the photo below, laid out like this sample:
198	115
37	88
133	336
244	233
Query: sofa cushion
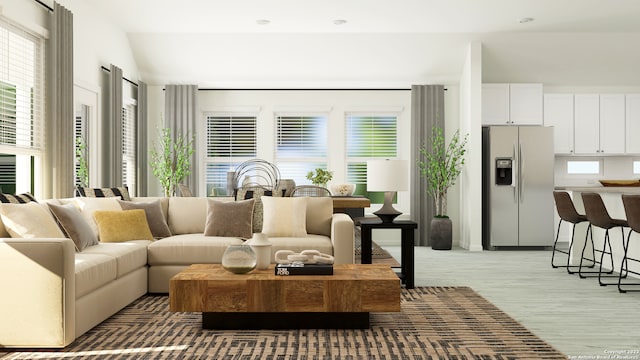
284	216
93	271
231	218
30	220
319	215
187	215
189	249
155	217
74	225
130	255
119	192
256	193
118	226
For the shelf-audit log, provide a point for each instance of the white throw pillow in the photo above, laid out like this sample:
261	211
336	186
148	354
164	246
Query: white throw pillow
284	216
29	220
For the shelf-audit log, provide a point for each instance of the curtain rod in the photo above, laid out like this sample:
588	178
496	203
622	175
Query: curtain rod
302	89
123	78
44	5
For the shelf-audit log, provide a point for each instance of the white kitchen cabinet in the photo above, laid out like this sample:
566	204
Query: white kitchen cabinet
525	104
512	104
612	119
495	104
558	112
632	123
586	123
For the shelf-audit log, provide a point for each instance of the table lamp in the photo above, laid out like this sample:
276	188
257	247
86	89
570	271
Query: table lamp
389	176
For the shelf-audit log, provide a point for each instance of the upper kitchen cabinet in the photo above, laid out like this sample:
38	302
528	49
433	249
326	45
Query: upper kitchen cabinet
587	123
599	124
612	121
632	124
495	104
558	112
512	104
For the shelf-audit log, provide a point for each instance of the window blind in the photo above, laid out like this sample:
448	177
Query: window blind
368	136
301	144
230	140
21	89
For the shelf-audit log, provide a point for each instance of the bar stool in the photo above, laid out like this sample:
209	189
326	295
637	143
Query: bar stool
632	209
598	215
567	212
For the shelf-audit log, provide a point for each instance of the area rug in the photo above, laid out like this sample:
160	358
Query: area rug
377	252
435	323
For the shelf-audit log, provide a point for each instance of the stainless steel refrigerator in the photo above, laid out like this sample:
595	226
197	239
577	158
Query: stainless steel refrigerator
517	183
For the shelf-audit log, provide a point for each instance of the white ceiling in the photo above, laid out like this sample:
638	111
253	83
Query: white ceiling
385	43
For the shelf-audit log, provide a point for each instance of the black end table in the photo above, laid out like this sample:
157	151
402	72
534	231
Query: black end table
407	228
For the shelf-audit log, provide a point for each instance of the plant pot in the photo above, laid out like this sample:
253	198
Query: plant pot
441	233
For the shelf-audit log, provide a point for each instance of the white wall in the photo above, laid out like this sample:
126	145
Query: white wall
470	122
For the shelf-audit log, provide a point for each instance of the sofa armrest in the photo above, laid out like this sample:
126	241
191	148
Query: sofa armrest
38	283
342	237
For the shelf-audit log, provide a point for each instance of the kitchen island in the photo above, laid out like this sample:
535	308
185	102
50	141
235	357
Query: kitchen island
612	197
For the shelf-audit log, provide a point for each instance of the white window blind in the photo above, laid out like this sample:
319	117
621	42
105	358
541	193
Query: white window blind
129	147
21	106
230	140
368	136
301	144
20	88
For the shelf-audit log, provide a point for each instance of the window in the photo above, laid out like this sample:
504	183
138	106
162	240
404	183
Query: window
231	140
583	167
368	137
301	145
81	170
636	167
21	114
129	146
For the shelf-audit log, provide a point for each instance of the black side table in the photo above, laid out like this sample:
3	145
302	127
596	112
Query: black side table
406	245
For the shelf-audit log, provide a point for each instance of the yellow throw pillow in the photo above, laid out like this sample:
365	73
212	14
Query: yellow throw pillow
118	226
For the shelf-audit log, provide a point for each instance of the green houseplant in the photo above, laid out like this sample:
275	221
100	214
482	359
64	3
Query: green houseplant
320	177
441	167
171	160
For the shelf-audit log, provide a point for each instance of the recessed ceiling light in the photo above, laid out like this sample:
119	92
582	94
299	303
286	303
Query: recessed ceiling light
525	20
263	22
339	22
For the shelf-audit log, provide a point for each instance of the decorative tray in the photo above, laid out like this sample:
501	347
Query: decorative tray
620	183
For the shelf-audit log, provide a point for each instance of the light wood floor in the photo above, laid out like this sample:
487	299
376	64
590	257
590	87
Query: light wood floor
576	316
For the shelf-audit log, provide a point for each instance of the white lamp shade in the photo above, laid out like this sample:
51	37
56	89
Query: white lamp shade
387	175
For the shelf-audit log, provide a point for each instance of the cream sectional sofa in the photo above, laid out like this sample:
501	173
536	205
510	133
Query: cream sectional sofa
52	293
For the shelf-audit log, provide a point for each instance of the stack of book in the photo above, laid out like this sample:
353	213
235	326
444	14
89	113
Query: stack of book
305	269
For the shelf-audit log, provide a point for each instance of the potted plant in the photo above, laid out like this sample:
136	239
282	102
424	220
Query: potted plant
171	161
441	167
320	177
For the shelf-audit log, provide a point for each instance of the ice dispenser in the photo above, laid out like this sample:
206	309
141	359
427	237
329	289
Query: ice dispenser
504	171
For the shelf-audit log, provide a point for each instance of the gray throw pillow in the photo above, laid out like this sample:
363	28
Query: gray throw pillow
155	217
74	225
232	218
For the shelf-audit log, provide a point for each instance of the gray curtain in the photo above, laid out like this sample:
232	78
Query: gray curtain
181	112
60	128
427	111
141	139
114	171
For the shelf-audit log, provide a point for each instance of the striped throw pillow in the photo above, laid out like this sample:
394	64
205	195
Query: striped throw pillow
17	199
121	192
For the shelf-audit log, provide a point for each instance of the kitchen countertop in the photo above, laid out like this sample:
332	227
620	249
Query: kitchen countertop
602	189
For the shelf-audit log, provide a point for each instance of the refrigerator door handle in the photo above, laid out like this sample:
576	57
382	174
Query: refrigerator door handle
516	175
520	173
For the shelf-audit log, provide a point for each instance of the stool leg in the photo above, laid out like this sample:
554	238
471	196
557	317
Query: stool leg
555	243
584	247
607	241
624	265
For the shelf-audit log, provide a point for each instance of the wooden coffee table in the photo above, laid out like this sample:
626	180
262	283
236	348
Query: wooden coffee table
262	300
